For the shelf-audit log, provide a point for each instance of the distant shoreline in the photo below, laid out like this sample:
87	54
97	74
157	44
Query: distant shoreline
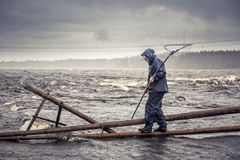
210	60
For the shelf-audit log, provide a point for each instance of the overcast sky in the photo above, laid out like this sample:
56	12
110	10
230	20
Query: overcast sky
63	29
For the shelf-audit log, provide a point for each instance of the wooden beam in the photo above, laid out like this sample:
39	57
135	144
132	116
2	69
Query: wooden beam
131	134
33	137
161	134
65	106
51	130
204	113
45	119
180	116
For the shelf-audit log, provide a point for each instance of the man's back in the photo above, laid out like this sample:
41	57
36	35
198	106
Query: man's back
160	83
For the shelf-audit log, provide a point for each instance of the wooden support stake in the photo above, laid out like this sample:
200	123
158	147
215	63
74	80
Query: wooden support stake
58	116
35	115
65	106
181	116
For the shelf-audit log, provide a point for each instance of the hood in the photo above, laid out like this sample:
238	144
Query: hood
149	53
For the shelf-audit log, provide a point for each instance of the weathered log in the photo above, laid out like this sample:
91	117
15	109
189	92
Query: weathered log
33	137
131	134
181	116
161	134
51	130
204	113
65	106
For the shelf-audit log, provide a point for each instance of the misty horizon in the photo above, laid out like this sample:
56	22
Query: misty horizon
181	60
75	56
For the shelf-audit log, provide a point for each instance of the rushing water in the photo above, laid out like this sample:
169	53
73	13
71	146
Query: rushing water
113	95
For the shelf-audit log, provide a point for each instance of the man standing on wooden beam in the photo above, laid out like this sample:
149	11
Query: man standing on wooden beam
157	88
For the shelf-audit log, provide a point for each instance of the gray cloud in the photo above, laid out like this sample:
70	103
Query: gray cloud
212	10
107	23
102	35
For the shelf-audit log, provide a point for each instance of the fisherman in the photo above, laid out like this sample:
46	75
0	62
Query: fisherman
156	90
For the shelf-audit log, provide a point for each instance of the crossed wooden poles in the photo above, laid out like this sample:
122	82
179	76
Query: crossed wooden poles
106	126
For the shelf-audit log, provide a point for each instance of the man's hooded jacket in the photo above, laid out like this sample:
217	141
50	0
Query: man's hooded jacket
160	82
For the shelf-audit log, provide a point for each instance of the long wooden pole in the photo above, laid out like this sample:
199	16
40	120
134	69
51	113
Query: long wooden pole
132	134
181	116
65	106
161	134
51	130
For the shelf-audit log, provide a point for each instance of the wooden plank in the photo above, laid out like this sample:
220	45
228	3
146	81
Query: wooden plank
180	116
33	137
132	134
65	106
204	113
161	134
51	130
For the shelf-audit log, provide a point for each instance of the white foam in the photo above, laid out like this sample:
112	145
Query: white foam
223	79
63	87
15	108
8	103
35	97
120	84
36	125
53	82
75	91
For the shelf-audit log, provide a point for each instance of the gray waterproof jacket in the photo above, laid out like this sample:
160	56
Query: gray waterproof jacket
160	81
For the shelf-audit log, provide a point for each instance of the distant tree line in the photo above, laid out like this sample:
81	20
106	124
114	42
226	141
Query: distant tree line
207	60
189	60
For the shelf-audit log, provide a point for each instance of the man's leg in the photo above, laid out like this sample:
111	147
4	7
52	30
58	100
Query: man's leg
160	115
149	115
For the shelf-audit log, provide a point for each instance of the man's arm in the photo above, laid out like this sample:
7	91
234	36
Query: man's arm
160	73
